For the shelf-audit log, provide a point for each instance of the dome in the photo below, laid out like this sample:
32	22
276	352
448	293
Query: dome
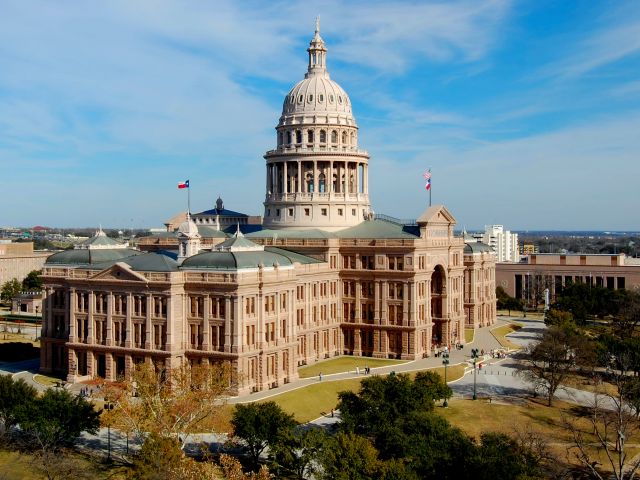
188	228
317	94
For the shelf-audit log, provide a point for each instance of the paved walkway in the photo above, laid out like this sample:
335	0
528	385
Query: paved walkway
483	340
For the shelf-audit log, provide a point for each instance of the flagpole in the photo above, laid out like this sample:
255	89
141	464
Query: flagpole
430	188
189	199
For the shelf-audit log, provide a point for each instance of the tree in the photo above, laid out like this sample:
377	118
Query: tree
157	456
57	419
32	282
500	456
549	360
15	397
295	453
261	425
350	457
382	400
559	318
10	289
171	404
506	301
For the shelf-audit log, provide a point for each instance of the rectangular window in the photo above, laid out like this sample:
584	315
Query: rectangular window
353	212
291	212
324	212
340	211
307	212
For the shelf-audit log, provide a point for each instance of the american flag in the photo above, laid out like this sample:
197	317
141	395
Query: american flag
427	177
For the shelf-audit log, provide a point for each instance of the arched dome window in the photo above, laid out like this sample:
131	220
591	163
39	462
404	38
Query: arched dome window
334	136
289	139
309	180
321	98
298	136
323	136
300	98
310	136
310	98
279	138
322	183
344	137
330	98
340	99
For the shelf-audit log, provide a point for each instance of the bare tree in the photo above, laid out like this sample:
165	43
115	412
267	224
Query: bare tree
611	423
551	359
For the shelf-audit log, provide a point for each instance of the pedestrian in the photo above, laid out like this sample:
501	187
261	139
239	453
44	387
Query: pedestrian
320	376
357	370
332	413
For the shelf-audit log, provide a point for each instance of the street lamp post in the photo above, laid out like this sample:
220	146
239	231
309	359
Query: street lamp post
445	362
474	355
108	406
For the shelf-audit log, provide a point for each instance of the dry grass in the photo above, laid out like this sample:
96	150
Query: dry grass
469	334
9	337
475	417
46	381
500	334
581	382
344	365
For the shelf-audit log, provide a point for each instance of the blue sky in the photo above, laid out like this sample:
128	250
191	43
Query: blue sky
527	112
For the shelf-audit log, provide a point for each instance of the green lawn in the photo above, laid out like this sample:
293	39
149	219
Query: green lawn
318	399
344	364
469	333
500	333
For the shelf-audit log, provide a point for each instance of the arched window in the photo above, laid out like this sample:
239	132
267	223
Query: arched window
323	136
309	180
353	138
289	137
335	183
298	136
321	183
279	138
334	136
310	136
344	137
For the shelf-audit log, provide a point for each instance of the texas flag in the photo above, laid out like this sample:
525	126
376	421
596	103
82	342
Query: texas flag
427	177
184	184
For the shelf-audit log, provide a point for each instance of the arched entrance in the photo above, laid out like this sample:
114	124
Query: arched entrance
438	306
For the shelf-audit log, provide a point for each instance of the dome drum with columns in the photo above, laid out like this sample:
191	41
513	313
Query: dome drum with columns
316	177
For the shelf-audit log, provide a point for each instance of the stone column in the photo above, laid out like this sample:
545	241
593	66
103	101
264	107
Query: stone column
405	304
315	177
357	342
285	188
90	321
128	342
70	316
299	189
227	324
358	305
235	338
206	304
109	319
148	328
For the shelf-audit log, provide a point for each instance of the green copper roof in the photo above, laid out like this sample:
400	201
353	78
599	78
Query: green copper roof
210	232
87	256
289	233
477	247
293	256
235	260
153	262
375	229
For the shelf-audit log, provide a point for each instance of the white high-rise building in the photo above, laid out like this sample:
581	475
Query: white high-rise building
503	242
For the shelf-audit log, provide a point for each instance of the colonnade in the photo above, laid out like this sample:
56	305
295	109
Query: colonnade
316	176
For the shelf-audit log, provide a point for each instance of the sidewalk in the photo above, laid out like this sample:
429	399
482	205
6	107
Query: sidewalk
483	340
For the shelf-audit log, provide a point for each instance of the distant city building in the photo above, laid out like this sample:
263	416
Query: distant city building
322	277
17	259
502	241
29	303
529	249
528	279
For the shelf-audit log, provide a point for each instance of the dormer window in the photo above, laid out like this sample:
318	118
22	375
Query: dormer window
321	98
340	99
310	98
330	98
300	98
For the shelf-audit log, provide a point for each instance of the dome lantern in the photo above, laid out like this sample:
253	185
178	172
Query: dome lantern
317	53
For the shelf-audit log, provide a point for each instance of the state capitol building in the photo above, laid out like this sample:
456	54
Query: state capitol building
322	276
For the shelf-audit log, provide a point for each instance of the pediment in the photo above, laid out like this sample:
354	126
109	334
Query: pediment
436	215
120	272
